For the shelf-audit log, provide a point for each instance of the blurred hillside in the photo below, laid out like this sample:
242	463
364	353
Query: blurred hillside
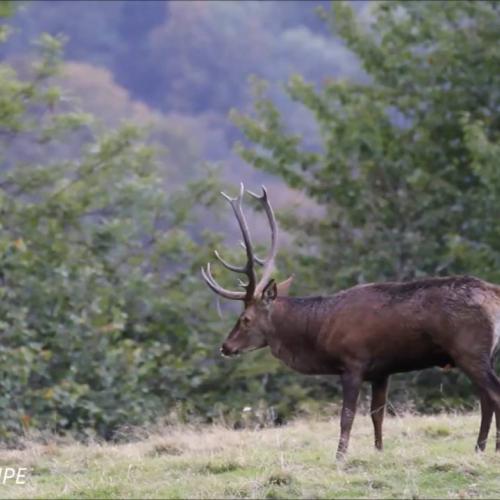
184	65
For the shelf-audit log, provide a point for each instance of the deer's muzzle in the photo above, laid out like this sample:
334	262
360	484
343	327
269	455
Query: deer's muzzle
227	351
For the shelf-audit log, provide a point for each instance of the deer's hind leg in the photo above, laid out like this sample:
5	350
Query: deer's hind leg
480	371
497	440
486	417
487	409
497	415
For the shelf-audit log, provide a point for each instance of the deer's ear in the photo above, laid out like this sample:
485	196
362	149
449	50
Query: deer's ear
270	292
284	286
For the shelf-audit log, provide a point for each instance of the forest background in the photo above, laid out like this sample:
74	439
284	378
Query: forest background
375	126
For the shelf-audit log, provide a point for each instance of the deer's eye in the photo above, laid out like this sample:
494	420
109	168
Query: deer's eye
245	320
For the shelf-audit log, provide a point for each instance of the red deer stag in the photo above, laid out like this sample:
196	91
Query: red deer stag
367	332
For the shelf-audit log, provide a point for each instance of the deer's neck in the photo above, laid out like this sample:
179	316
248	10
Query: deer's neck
296	324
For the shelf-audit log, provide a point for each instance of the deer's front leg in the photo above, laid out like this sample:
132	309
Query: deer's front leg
379	397
351	383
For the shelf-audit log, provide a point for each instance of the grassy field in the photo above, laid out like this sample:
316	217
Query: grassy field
425	457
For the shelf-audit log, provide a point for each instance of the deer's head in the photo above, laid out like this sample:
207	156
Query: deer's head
254	324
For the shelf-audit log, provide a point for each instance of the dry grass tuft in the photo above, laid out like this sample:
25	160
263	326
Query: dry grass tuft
165	448
280	478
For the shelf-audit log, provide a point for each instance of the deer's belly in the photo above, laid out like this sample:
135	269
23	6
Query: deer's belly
406	363
303	361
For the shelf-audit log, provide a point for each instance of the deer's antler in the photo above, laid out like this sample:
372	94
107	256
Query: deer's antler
252	287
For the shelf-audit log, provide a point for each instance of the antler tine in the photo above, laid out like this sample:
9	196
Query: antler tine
228	294
269	261
236	269
236	205
239	197
261	197
228	198
231	267
219	310
258	260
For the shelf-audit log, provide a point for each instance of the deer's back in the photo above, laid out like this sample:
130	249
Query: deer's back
408	326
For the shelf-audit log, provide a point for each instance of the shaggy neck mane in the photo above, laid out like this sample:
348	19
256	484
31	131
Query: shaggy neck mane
303	315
